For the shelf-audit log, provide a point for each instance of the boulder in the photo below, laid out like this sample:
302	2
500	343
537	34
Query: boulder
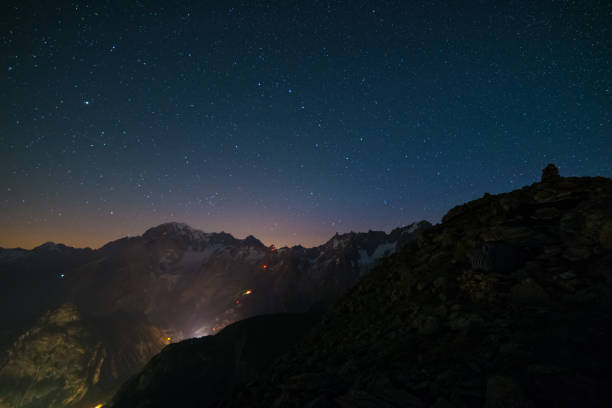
550	174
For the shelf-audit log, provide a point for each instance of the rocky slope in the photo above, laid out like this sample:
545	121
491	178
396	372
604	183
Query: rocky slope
198	372
506	303
65	360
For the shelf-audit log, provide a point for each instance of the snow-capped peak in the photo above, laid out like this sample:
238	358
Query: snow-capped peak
50	246
175	229
181	232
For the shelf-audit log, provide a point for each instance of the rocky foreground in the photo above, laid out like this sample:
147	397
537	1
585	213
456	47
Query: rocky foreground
68	360
507	303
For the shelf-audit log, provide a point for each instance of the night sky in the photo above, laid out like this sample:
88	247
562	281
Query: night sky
289	120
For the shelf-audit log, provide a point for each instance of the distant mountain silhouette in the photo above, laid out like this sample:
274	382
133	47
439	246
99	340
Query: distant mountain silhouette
174	279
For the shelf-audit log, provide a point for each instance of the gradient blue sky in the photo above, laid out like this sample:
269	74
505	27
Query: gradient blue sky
289	120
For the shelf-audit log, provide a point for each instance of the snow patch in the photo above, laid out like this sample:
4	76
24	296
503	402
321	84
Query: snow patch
50	246
412	228
203	331
210	250
182	230
366	260
193	259
170	256
340	242
171	278
254	255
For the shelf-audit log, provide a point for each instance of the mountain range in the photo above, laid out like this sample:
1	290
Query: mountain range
121	303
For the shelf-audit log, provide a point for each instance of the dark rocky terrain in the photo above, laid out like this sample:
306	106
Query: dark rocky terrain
506	303
172	280
198	372
67	360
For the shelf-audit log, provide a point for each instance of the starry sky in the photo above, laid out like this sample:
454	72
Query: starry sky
289	120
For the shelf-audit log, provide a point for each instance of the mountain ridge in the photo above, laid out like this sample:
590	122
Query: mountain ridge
185	229
185	282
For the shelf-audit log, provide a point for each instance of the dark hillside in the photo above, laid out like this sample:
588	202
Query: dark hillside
198	372
507	303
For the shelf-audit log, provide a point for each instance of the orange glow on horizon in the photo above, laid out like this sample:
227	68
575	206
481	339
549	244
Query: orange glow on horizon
80	230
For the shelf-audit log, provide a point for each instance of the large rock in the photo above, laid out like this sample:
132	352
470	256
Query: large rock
65	360
550	173
53	364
